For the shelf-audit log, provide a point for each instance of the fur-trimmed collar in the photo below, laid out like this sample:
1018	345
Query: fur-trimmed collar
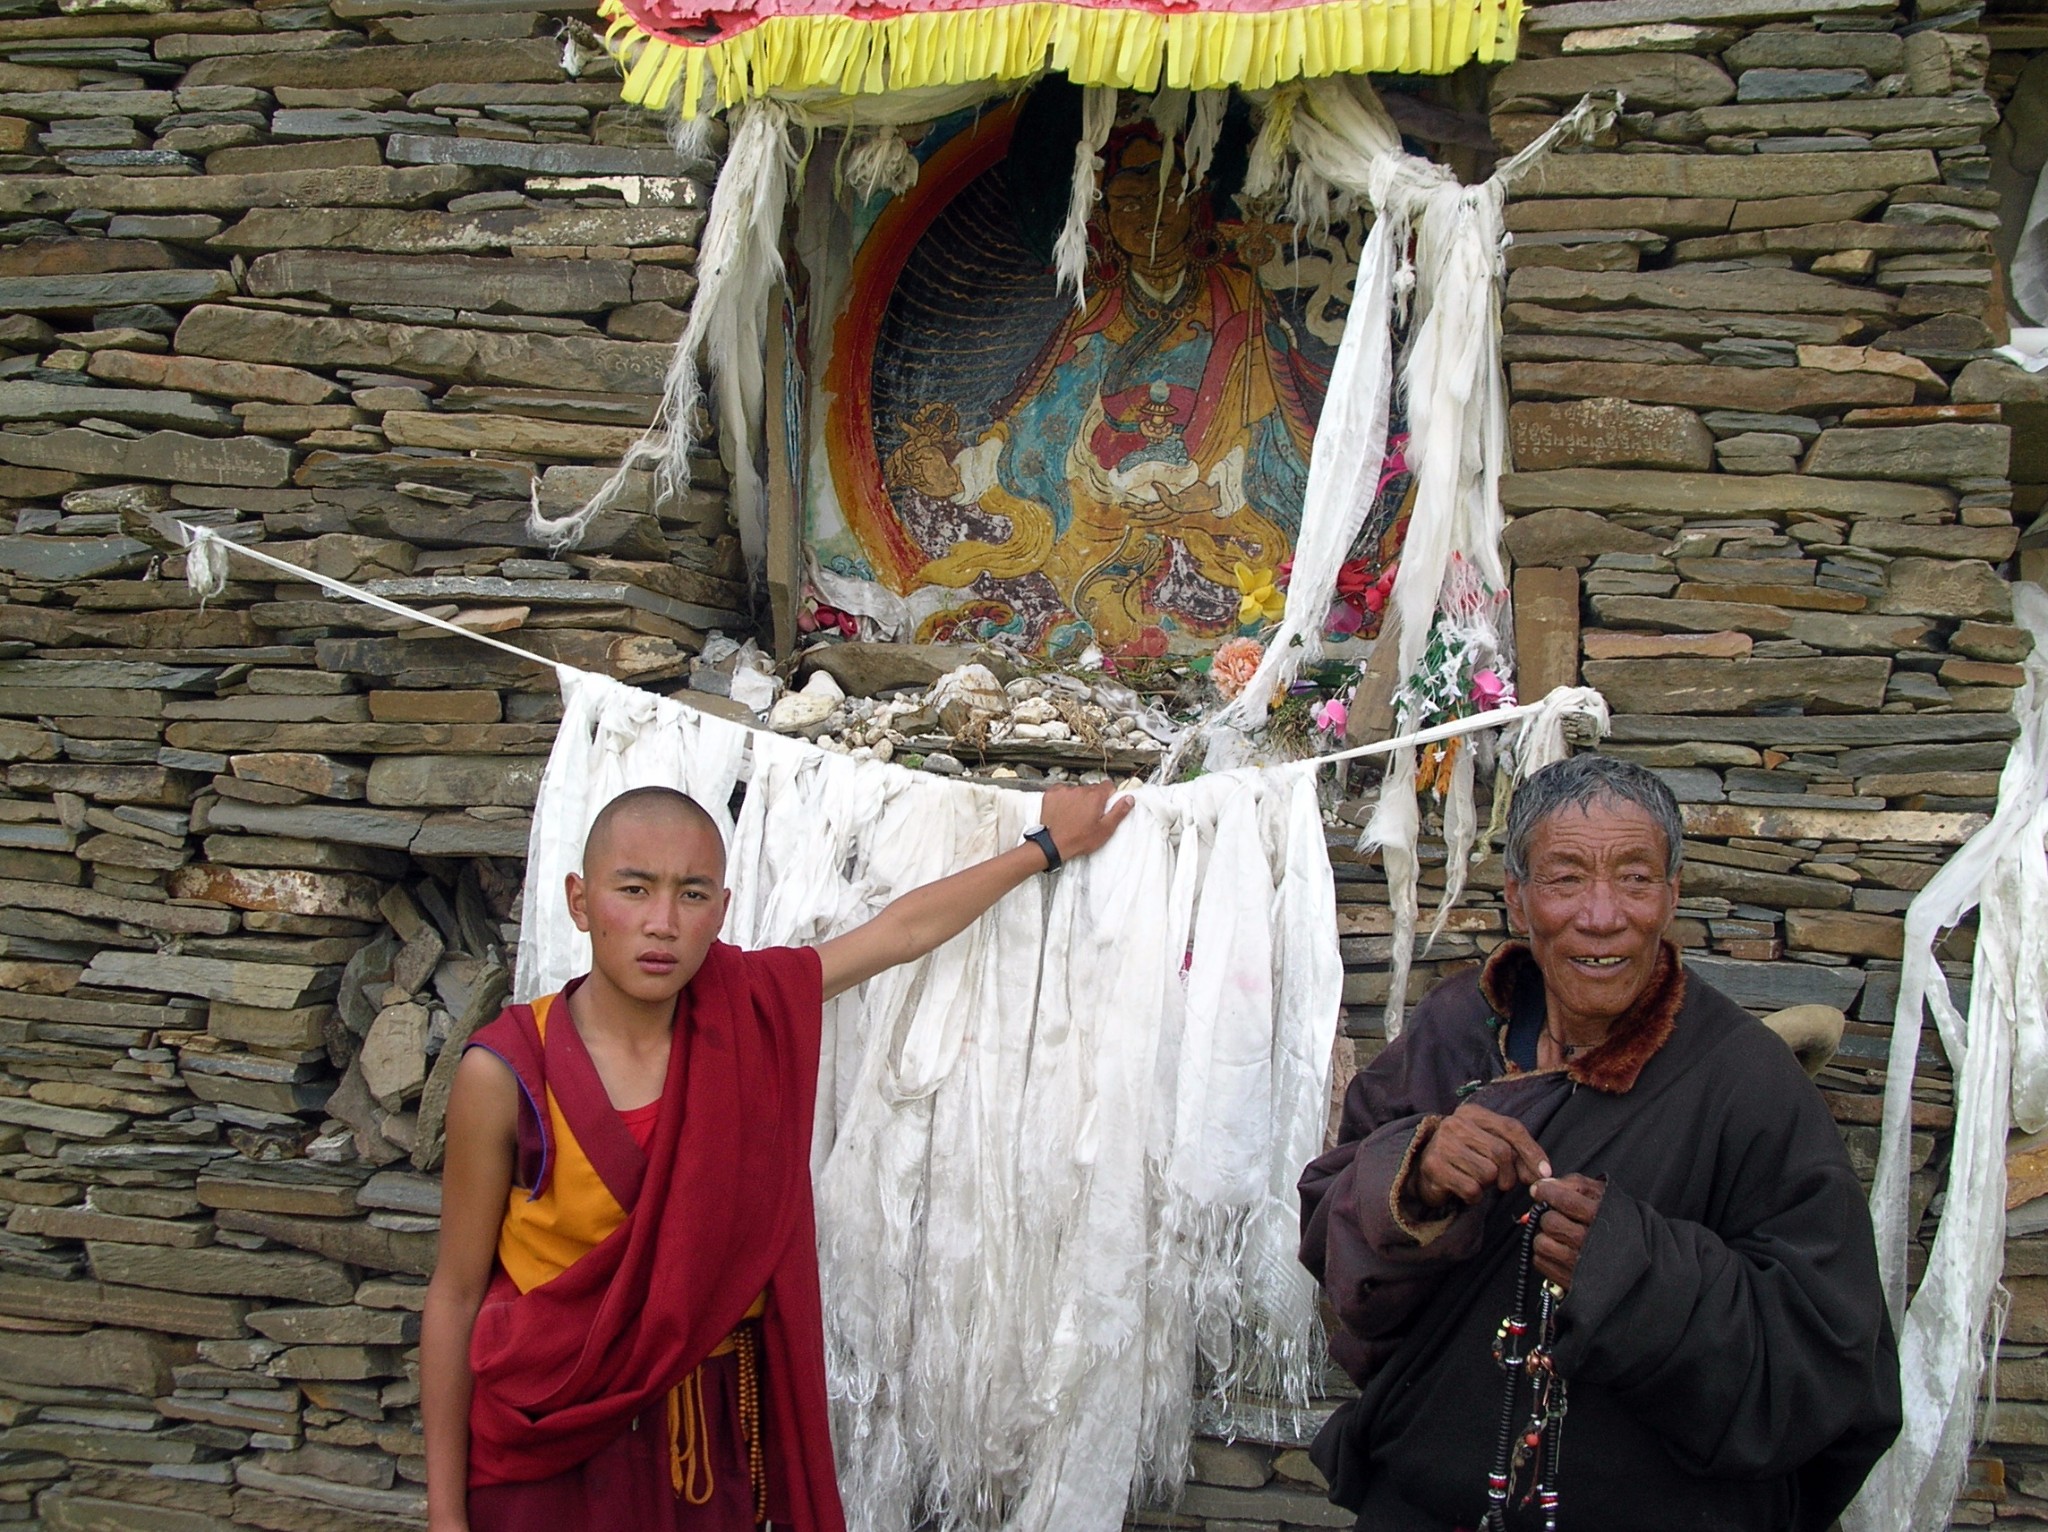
1636	1035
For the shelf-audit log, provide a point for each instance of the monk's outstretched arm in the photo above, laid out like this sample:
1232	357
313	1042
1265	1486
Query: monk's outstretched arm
482	1130
1081	820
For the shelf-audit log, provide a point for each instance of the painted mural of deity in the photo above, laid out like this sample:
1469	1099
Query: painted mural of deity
1054	476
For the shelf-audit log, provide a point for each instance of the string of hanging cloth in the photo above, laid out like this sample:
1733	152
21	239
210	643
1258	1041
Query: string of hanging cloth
1054	1160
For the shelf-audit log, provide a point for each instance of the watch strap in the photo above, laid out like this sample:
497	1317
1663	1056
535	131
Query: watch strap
1041	837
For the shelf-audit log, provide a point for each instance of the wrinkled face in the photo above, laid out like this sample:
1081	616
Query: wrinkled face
1594	906
1141	226
652	897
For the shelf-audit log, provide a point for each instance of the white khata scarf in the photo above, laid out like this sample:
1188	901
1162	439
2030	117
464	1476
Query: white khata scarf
1055	1160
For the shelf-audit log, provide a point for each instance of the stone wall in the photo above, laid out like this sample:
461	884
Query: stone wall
344	277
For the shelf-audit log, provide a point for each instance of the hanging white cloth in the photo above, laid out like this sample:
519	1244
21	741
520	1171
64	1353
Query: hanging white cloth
1999	1052
739	273
1056	1158
1452	574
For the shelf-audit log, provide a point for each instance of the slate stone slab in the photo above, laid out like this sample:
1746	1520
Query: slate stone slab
123	1361
1608	432
1738	686
349	186
1763	822
1719	175
1929	454
387	68
238	1273
1651	81
1876	115
81	294
1954	588
92	904
1801	389
443	781
143	1308
347	122
540	159
277	986
525	286
350	826
21	399
1575	14
1863	731
171	455
56	105
1716	494
1798	84
331	227
428	351
1766	987
462	835
549	593
59	559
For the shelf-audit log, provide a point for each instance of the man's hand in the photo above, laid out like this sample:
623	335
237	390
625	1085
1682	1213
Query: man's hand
1474	1151
1574	1202
1081	819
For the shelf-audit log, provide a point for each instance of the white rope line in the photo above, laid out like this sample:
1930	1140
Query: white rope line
1499	718
198	540
202	541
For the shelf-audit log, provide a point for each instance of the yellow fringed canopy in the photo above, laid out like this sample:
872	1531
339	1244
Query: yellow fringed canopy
718	59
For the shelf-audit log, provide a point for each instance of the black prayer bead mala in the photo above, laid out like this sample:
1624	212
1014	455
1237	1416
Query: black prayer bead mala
1522	1347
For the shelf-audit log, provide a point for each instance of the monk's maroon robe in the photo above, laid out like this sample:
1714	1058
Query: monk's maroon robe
718	1214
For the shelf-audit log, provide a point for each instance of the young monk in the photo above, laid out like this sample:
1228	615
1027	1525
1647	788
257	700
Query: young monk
624	1329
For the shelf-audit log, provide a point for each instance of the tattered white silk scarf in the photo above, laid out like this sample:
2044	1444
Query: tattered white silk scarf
1055	1160
1999	1052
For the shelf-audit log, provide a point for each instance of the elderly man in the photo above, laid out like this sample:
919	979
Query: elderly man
1710	1344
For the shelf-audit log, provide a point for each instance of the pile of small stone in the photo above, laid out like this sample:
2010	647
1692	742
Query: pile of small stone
1038	723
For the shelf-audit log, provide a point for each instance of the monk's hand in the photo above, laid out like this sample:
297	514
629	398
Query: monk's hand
1573	1203
1081	819
1474	1151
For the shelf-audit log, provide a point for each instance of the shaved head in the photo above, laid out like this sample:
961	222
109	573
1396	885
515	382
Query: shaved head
645	805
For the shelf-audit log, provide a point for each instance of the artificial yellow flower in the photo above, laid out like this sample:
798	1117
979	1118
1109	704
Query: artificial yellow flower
1258	597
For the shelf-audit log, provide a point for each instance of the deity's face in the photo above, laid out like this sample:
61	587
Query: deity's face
1150	230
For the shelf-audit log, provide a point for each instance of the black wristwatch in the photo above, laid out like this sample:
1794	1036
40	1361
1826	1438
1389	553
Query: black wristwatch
1041	837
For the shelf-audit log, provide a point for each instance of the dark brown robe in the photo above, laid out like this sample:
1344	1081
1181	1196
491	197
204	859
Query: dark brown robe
1730	1361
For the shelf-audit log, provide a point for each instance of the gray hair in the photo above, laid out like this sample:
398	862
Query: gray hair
1580	781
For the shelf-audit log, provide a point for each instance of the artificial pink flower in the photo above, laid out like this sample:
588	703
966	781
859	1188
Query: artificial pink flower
1490	691
1344	620
1235	662
1332	716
